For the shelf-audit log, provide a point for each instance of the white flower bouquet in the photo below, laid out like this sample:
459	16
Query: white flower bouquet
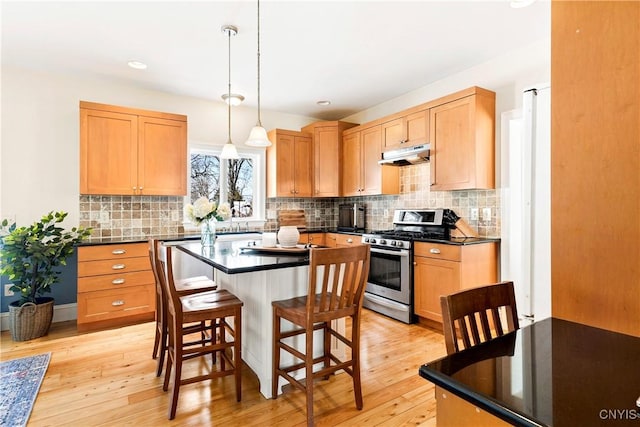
203	210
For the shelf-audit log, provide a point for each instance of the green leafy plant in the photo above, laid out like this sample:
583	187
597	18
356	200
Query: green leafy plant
29	255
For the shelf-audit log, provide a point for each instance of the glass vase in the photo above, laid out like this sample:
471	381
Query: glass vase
208	233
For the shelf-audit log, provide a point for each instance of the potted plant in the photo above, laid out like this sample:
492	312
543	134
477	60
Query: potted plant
29	257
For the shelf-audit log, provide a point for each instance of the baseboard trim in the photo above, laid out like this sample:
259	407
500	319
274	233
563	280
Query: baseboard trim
61	313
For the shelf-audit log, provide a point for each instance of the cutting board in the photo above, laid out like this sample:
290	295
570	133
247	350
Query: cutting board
295	217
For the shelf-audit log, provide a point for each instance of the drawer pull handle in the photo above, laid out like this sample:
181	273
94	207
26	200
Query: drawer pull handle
117	281
434	250
118	266
117	303
349	240
118	252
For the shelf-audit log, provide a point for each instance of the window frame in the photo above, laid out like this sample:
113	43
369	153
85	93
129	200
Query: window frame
258	157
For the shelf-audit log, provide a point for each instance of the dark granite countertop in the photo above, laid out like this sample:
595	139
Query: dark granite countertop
461	241
551	373
230	258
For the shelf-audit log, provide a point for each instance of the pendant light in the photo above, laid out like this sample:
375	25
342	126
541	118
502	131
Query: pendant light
229	150
258	135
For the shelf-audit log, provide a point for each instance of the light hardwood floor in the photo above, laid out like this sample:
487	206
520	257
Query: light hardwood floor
107	378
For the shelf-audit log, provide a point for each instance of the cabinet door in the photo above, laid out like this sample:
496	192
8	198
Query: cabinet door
351	164
108	152
162	148
452	145
417	128
371	152
331	240
326	153
285	164
393	134
303	170
433	278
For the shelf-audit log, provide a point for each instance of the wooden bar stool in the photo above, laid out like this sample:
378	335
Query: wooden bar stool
337	279
476	315
214	308
186	286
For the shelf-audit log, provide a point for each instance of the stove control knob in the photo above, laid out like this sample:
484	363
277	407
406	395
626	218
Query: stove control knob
393	243
365	239
383	242
372	240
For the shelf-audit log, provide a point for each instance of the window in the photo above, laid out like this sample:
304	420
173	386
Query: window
232	181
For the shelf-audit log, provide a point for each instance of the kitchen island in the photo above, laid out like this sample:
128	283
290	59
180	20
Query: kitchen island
258	278
551	373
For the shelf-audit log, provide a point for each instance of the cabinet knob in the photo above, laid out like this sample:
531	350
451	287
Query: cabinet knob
118	252
118	266
134	188
117	281
117	303
349	240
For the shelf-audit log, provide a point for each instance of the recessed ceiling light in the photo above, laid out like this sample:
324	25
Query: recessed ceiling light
324	103
137	65
518	4
233	98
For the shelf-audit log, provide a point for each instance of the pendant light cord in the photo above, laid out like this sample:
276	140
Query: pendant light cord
229	99
259	118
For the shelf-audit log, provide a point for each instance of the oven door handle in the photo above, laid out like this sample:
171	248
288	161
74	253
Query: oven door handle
385	302
396	253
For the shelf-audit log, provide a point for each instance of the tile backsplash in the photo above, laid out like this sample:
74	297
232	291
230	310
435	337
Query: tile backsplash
141	216
131	216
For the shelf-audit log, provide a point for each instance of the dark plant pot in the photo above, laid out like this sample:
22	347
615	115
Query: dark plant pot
30	320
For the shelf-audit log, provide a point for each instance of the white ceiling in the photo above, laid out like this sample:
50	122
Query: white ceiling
355	53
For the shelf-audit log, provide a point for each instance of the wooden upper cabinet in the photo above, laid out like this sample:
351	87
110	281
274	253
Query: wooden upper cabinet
126	151
406	131
351	164
462	136
327	156
289	164
361	173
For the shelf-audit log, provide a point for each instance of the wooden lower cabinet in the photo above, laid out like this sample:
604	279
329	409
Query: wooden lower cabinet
452	410
441	269
338	240
115	285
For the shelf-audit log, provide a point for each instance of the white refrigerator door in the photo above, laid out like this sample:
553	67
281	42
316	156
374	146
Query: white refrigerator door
526	220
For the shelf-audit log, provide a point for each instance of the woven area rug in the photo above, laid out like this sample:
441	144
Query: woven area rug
20	381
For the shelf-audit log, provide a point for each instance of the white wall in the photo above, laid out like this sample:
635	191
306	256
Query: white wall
39	154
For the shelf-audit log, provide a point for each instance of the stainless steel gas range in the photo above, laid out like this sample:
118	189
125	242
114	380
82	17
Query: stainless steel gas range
390	286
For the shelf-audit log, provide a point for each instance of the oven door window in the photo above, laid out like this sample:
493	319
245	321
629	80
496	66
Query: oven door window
385	270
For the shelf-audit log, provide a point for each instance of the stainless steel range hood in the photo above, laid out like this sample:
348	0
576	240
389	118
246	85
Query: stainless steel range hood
406	156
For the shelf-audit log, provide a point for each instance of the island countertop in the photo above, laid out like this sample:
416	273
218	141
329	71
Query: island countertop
230	257
551	373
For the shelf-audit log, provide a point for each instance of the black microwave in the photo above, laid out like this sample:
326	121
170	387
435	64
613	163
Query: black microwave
351	217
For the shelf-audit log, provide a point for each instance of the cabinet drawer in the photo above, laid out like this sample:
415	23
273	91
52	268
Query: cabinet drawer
125	250
437	251
115	281
110	304
347	240
113	266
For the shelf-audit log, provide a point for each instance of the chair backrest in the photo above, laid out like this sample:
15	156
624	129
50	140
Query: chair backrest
478	315
339	276
153	259
165	275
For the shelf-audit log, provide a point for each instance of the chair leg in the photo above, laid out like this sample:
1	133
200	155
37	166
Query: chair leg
177	376
326	327
237	350
164	336
355	356
309	374
275	355
156	342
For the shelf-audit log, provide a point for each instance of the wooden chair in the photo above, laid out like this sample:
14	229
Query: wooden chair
213	307
337	280
474	316
186	286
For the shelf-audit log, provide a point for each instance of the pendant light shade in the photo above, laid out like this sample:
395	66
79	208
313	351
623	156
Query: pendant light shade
229	150
258	135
